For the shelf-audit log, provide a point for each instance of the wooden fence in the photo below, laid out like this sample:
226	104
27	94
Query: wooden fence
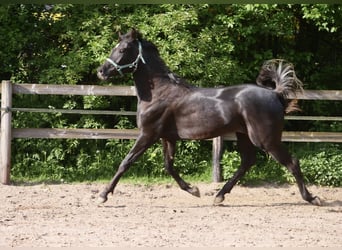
8	133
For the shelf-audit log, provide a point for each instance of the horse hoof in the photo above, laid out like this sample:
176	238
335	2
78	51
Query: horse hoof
218	199
194	191
316	201
101	200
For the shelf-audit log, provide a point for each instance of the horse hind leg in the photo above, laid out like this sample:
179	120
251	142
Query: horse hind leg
169	148
248	158
281	155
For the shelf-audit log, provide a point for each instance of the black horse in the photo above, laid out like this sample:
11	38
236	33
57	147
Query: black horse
170	109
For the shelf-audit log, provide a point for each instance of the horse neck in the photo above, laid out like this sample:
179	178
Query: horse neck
146	81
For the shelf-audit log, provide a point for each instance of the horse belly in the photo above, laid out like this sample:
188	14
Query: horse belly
205	115
204	125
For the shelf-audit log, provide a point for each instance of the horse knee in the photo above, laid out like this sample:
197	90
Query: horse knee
168	166
252	159
169	170
293	167
124	166
248	160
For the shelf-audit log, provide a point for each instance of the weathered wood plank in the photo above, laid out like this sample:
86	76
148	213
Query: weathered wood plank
58	89
302	136
76	111
320	95
217	156
305	136
313	118
54	89
60	133
6	132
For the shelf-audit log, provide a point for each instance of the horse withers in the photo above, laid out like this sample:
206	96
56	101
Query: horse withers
170	109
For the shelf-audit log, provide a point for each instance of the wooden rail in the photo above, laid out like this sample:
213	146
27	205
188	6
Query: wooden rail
7	133
54	89
82	133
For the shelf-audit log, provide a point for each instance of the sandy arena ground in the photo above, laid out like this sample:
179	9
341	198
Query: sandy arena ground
163	215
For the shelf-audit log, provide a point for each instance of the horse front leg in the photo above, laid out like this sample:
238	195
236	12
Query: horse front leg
140	146
169	149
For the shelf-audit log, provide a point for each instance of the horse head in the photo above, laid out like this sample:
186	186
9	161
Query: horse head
125	56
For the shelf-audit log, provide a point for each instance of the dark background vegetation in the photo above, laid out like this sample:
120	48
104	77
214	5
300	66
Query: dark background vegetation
209	45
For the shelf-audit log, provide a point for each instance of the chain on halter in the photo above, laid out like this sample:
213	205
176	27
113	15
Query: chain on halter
130	65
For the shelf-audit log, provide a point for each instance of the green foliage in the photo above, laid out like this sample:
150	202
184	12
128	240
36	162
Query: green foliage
325	17
324	165
209	45
230	162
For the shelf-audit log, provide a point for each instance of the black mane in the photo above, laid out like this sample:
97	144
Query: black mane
153	58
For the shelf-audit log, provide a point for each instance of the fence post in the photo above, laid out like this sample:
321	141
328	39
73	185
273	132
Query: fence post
6	133
217	155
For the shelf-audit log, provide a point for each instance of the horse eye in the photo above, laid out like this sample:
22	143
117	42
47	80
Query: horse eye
122	50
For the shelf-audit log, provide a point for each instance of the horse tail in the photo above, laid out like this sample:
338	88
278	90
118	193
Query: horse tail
280	76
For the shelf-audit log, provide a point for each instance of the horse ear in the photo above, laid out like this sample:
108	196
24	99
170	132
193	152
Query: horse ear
120	35
135	34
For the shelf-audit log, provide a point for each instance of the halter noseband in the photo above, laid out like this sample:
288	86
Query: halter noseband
130	65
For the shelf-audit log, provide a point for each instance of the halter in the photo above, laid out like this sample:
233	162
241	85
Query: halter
131	65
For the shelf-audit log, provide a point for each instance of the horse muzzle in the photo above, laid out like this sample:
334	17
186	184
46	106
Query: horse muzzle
101	76
104	73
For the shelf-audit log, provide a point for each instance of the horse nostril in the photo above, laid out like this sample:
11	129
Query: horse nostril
100	74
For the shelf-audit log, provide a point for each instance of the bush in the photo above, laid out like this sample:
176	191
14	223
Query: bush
324	166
